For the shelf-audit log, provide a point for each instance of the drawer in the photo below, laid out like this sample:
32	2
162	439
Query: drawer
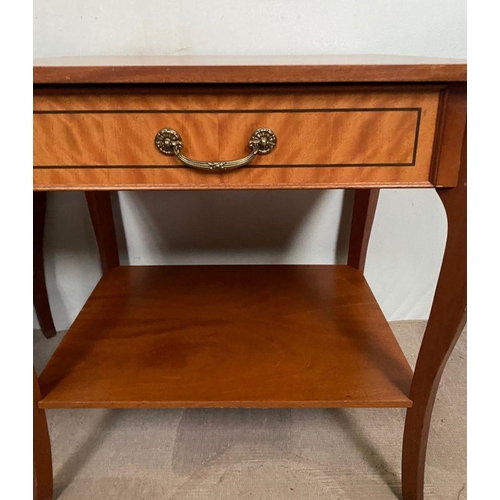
324	137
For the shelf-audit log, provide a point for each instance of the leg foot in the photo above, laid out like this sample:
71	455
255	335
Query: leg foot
446	322
42	457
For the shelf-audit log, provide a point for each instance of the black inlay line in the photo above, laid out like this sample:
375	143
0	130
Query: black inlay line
340	110
91	167
417	132
221	111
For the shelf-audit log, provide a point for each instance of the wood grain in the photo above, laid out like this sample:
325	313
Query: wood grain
247	69
363	215
278	336
40	295
42	457
449	135
325	138
228	336
446	322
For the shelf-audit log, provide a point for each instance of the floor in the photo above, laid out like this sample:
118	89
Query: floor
218	454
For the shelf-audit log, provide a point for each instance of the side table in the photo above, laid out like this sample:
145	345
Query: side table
252	336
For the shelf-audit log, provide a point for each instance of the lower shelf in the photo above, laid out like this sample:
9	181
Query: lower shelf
228	336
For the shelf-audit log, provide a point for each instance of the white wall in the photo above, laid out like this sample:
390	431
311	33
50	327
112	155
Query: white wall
250	227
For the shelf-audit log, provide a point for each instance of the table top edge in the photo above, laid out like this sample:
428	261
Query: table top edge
246	69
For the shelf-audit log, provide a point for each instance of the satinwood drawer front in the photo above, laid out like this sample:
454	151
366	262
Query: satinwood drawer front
325	137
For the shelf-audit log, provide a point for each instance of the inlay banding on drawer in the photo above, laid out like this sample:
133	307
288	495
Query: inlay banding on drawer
382	136
388	137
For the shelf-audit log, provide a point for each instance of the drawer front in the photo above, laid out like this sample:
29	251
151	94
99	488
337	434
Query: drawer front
325	138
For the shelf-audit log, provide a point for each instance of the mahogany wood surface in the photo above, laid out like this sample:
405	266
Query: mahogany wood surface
228	336
326	137
449	134
247	69
101	214
40	296
42	457
363	214
446	322
279	336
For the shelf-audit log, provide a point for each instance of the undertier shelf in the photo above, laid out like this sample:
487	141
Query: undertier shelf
228	336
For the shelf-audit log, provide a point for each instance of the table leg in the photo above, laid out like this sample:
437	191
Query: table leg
42	457
363	214
446	322
101	213
40	296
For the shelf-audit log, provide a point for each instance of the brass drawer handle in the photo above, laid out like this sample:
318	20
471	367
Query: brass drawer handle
169	142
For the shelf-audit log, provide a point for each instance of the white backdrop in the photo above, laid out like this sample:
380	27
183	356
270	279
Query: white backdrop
250	227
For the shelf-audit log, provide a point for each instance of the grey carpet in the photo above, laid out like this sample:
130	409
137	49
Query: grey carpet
256	454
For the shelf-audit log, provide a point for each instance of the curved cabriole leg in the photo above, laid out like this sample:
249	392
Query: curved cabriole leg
101	214
40	296
446	322
42	457
363	214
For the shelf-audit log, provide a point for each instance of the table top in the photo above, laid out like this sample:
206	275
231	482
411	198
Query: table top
247	69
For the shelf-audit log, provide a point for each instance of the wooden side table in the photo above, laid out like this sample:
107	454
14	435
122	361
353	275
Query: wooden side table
252	336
